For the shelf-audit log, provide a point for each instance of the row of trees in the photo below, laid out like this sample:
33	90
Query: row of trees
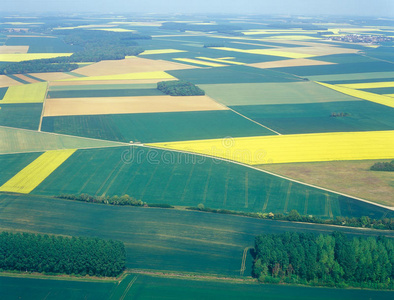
383	166
330	260
114	200
179	88
28	252
294	216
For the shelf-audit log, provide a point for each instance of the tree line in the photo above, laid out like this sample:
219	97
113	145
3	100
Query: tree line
327	260
294	216
113	200
27	252
179	88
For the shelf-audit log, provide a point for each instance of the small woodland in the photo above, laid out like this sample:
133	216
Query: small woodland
179	88
325	260
27	252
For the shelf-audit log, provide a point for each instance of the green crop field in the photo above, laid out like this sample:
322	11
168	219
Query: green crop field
141	287
104	93
353	77
147	287
26	116
316	117
383	53
41	44
233	74
29	288
344	58
3	91
156	127
272	93
157	176
346	68
155	239
17	140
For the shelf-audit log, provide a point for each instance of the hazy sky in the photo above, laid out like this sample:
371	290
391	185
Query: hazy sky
383	8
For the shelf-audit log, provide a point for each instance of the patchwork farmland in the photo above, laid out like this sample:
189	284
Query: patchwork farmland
290	121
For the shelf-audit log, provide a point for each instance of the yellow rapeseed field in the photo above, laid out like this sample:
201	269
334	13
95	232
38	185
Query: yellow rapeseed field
32	175
369	85
128	76
199	62
17	57
295	147
161	51
384	100
221	60
267	52
27	93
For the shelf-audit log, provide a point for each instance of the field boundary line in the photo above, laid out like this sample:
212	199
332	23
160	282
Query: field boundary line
187	183
246	190
287	197
243	116
243	264
43	106
168	183
267	197
149	182
108	178
128	287
306	202
274	174
226	187
207	184
113	179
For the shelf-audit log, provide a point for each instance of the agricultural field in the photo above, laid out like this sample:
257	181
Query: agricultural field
24	115
125	105
291	119
15	140
32	175
155	287
41	44
320	117
174	240
304	147
156	127
272	93
190	180
129	65
351	177
28	93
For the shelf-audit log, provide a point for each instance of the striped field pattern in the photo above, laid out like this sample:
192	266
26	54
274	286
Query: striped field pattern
32	175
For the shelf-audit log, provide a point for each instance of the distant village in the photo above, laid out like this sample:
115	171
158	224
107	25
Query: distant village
358	38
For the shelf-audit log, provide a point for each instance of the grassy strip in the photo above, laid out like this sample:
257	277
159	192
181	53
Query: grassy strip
294	216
